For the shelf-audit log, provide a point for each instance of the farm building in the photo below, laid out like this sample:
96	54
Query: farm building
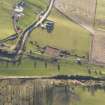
55	52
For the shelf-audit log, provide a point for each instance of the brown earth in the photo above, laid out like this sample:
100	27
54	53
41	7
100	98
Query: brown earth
81	11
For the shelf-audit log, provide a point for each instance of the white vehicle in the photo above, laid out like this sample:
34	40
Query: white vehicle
43	26
19	9
41	14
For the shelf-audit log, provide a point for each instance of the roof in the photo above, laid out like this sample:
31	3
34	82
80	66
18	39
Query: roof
19	9
52	51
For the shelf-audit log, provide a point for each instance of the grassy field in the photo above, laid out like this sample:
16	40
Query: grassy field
66	35
87	98
6	8
27	67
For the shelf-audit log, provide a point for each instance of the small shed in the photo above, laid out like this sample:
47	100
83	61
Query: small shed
54	52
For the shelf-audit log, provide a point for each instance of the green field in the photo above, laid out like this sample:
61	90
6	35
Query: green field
66	35
87	98
6	7
27	68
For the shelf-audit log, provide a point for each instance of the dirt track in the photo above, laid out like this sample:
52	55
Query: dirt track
98	48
